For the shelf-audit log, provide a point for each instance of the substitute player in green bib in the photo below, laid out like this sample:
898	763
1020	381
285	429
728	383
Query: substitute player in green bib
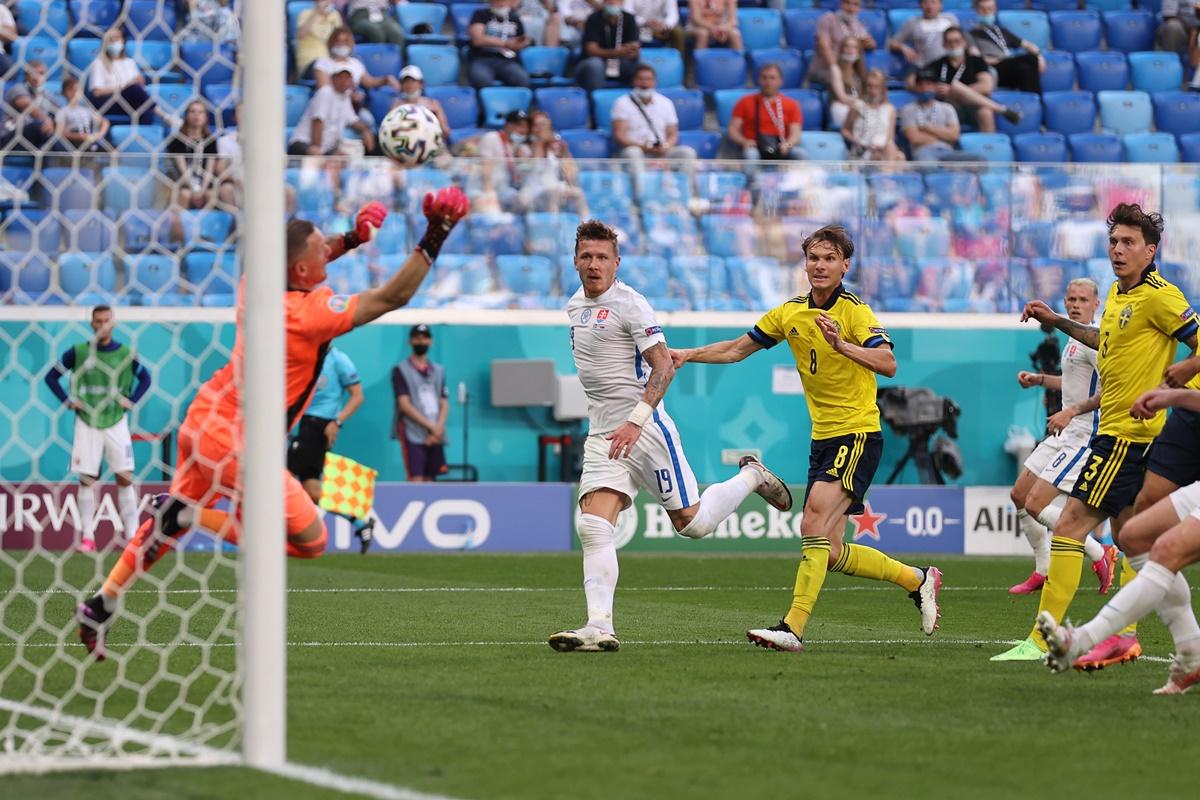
839	346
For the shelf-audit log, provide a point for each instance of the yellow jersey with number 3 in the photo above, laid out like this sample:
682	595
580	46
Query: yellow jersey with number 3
840	392
1138	340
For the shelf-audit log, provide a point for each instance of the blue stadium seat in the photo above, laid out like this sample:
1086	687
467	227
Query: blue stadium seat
967	18
760	27
689	107
295	100
207	228
1048	147
545	65
458	103
924	237
126	188
1030	106
901	97
65	189
951	188
528	275
1189	147
1177	112
1156	72
1056	5
497	101
716	185
81	53
381	60
703	278
39	18
566	105
294	9
495	234
668	66
31	229
725	100
89	274
1151	148
460	15
1033	26
152	274
791	63
1099	148
585	143
1102	71
995	147
42	48
705	143
438	63
1129	31
149	19
1124	5
660	191
550	233
33	277
810	106
213	275
136	138
207	62
898	15
174	97
94	17
602	103
890	190
223	98
1075	31
1124	112
610	186
88	230
314	192
823	146
414	14
1060	71
648	276
719	68
671	233
729	235
156	58
800	27
875	21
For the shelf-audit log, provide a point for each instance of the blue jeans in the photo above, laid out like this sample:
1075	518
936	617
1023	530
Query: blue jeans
482	71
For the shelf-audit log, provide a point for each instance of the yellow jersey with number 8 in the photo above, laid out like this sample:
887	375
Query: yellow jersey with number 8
1138	339
840	392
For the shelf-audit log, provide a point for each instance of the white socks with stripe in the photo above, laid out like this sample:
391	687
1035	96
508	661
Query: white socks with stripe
722	499
88	498
128	506
1049	517
1039	540
600	569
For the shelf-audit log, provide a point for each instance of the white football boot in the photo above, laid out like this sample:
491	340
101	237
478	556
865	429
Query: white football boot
588	639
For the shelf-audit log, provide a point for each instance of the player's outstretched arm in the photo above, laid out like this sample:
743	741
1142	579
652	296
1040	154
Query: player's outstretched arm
662	371
728	352
1036	309
443	211
1156	400
1029	379
879	359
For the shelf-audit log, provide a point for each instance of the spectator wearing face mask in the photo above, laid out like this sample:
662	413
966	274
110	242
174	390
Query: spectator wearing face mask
116	85
834	28
35	109
997	46
869	129
644	123
965	82
341	56
768	125
313	30
497	36
919	39
930	125
329	113
847	80
412	90
497	149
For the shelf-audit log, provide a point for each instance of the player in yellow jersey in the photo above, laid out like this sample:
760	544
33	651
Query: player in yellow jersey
839	347
1145	317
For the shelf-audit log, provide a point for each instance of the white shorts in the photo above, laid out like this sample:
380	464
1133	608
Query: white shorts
1186	500
656	464
92	444
1059	459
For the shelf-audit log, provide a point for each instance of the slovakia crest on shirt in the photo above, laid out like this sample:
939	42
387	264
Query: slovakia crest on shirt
601	317
1071	350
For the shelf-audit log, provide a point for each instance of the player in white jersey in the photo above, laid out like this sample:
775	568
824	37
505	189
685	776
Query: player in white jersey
625	368
1051	470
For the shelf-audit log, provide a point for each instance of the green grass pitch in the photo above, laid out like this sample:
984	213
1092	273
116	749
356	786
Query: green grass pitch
448	687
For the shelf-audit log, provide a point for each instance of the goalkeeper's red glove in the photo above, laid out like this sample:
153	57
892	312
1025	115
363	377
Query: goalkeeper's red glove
370	217
443	210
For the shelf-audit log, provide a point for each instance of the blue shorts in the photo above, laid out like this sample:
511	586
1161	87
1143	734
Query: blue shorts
423	460
1175	454
1113	474
850	460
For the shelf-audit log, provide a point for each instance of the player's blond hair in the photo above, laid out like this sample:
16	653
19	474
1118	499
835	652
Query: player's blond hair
593	230
1088	282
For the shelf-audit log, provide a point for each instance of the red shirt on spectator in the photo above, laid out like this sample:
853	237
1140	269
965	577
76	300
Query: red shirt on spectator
744	110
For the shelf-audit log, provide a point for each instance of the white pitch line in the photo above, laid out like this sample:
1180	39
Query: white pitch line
327	779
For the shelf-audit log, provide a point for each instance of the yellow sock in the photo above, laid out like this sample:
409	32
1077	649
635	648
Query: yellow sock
1062	580
1128	573
810	577
867	562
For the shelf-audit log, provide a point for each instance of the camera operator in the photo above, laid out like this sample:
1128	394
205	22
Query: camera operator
1046	363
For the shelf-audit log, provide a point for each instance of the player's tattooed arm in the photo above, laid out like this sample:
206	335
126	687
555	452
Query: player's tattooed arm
1057	422
662	370
1086	334
727	352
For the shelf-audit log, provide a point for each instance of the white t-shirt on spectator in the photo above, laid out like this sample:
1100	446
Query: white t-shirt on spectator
376	6
228	145
660	110
665	11
331	66
925	35
333	109
6	17
112	75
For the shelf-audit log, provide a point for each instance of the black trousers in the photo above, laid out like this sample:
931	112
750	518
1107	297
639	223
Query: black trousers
1020	73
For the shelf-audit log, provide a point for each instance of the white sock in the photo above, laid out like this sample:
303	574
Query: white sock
599	569
89	498
128	506
1176	613
720	500
1049	515
1139	562
1039	540
1093	549
1136	599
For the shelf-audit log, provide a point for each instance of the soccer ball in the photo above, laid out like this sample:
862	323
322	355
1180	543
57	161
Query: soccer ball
410	135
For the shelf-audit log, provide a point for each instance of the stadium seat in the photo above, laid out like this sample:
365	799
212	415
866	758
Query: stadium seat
545	65
1189	147
897	16
126	188
995	147
718	68
64	189
1033	26
729	235
459	104
1150	148
967	18
151	274
924	237
670	233
438	63
705	143
94	17
156	58
149	19
585	143
660	191
791	63
294	9
460	16
1098	148
760	27
605	184
689	107
43	48
550	233
647	275
566	105
823	146
1124	112
89	274
602	103
81	52
497	101
212	274
88	230
800	27
136	139
31	229
1129	31
901	97
207	62
381	60
33	277
1155	72
413	14
222	98
1102	71
495	234
527	275
1075	31
703	278
1030	106
715	185
811	107
1060	71
314	192
875	21
949	189
1177	112
295	99
668	66
1047	147
725	100
39	18
207	228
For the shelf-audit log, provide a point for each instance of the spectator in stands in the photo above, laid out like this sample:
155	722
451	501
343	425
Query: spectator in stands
833	28
870	126
965	82
77	124
715	23
372	21
930	125
412	90
542	21
8	34
610	47
644	123
192	158
1180	33
499	148
314	29
767	125
229	165
549	180
995	44
497	35
575	15
212	21
341	56
658	22
116	85
34	109
329	113
847	81
919	39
